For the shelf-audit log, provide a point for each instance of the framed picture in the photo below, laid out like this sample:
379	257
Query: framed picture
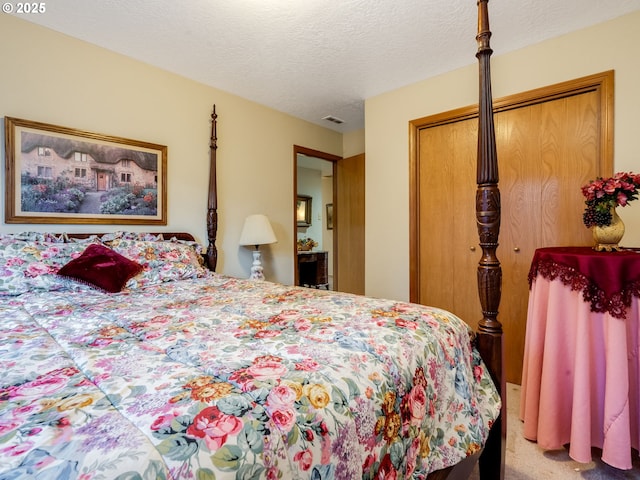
303	210
329	216
63	175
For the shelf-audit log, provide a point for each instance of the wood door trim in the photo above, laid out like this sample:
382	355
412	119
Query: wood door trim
315	153
600	82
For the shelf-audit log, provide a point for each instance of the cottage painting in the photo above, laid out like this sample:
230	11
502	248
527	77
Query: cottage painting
61	175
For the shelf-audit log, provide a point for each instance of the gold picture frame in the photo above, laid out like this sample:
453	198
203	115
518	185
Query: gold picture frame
63	175
329	216
303	210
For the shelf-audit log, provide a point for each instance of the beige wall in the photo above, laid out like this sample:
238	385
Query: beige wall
608	46
353	143
52	78
55	79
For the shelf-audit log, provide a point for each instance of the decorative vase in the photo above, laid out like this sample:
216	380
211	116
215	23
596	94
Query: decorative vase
607	237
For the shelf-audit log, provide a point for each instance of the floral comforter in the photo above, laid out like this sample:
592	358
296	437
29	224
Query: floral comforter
220	378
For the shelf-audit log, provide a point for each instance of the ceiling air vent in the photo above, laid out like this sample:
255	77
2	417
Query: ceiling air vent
331	118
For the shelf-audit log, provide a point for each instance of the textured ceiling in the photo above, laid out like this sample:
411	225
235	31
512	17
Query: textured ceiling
315	58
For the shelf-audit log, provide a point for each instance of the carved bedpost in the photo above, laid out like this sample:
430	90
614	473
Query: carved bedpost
212	211
489	270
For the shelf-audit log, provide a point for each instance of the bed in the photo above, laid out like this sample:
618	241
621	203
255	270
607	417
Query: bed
125	355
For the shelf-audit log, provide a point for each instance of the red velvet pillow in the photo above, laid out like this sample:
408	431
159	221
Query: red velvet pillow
101	267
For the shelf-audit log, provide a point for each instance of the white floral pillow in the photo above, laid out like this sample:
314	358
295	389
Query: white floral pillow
107	238
197	246
32	265
162	261
141	236
7	238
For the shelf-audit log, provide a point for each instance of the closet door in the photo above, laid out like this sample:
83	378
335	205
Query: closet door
446	231
550	142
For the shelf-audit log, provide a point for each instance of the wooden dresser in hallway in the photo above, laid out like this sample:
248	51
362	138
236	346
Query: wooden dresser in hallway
313	269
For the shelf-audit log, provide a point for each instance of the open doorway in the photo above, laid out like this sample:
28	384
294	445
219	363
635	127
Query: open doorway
314	204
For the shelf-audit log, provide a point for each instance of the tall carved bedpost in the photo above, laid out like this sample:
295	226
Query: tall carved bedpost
212	211
489	270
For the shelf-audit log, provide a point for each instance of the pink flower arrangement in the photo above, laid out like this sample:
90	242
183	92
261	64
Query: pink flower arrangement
306	244
603	194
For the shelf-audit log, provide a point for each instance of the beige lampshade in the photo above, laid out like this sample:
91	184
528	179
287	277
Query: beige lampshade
257	231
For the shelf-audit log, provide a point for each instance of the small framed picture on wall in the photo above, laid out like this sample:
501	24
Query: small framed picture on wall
329	216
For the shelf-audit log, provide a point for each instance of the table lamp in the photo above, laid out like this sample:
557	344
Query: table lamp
257	231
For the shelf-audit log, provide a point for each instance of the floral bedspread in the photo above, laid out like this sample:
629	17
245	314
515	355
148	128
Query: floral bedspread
220	378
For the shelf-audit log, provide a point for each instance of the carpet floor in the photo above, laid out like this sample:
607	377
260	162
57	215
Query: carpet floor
526	461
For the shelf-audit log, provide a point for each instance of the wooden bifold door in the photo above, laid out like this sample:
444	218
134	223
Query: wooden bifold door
550	142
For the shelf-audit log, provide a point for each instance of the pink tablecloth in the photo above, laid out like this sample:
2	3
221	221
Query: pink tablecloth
581	375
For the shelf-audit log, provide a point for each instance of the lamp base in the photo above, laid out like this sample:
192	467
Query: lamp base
256	266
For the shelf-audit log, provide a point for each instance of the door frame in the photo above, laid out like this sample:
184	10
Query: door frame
309	152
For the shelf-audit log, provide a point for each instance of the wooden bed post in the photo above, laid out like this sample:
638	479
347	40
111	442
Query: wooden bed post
489	340
212	211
